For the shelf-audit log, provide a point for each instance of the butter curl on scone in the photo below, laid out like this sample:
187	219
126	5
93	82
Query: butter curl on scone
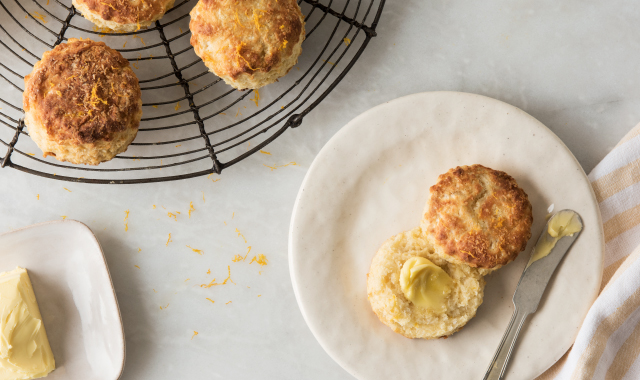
395	310
478	216
123	15
247	43
82	102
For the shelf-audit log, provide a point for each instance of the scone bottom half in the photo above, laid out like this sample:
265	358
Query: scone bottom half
390	303
82	103
478	216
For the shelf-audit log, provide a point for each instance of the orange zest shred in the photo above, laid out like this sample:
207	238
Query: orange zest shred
203	200
126	220
31	154
137	266
212	301
256	98
237	258
169	240
172	215
233	215
198	251
67	189
63	217
154	106
274	167
259	295
139	249
108	5
241	235
187	279
284	44
95	99
178	145
38	196
347	41
125	44
191	208
161	308
228	303
260	259
239	55
265	152
238	20
39	17
177	107
214	283
209	271
194	334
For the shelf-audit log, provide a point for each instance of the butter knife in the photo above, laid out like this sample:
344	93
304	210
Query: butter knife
531	286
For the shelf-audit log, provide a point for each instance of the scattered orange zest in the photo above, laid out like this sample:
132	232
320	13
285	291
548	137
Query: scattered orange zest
212	301
241	235
198	251
169	240
191	208
126	220
194	335
265	152
260	259
137	266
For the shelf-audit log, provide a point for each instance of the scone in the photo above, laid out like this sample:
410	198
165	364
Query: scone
477	216
82	103
123	15
248	43
393	308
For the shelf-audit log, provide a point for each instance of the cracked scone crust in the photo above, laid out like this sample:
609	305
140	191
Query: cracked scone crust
478	216
402	316
123	15
247	43
82	103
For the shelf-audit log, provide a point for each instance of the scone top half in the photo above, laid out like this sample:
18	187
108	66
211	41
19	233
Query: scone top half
247	43
123	15
478	216
82	102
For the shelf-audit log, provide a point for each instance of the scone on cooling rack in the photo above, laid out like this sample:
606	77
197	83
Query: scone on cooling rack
247	43
82	103
123	15
419	294
477	216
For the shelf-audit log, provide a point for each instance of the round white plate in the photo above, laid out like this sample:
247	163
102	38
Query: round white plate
371	181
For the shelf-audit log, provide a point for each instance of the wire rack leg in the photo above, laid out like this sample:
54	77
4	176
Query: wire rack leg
217	167
7	158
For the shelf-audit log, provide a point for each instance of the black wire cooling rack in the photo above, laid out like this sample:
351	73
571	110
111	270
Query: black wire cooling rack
193	123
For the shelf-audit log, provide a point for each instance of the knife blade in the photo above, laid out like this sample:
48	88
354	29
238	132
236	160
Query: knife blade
529	292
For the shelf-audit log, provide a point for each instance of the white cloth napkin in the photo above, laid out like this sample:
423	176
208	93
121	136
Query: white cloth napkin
608	344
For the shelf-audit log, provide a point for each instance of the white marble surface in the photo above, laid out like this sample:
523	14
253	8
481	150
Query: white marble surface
572	64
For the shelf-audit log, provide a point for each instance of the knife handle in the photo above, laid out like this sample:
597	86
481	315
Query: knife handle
503	353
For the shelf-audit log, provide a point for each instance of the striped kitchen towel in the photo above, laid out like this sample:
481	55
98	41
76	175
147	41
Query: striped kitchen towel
608	344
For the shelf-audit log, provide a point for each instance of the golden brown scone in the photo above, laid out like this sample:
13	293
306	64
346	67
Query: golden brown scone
401	315
248	43
123	15
478	216
82	102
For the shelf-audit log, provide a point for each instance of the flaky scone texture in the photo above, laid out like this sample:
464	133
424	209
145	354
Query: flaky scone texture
401	315
247	43
478	216
82	103
123	15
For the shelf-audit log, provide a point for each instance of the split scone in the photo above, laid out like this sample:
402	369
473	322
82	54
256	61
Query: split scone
477	216
247	43
82	103
123	15
419	294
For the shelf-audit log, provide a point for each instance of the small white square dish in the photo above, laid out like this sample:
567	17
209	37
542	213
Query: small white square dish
76	298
